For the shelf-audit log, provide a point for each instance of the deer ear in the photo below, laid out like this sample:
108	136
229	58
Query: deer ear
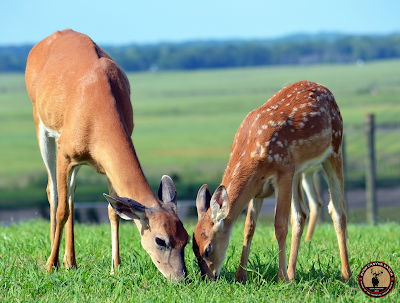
126	208
203	200
219	204
167	192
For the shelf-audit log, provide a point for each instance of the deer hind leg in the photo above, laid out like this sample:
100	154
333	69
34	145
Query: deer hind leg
334	173
283	191
48	150
63	168
69	257
253	211
310	182
298	221
114	221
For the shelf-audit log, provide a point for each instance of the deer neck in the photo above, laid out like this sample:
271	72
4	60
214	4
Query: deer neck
239	194
117	157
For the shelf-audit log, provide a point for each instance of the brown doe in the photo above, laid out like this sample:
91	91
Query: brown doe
297	128
83	116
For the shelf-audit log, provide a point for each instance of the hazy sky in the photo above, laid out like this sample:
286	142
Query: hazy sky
148	21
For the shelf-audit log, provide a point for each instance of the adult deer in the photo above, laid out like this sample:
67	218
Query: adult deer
297	128
83	116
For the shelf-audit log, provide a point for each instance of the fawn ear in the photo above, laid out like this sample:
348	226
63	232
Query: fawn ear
219	204
126	208
203	200
167	192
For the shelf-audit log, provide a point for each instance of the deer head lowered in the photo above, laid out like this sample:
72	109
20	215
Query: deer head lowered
297	128
83	116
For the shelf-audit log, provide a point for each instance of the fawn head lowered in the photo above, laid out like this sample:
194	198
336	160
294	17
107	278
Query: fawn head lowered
210	234
159	238
297	128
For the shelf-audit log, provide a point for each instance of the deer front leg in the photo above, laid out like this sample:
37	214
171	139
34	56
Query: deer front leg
48	150
298	220
253	211
69	257
63	167
283	190
114	221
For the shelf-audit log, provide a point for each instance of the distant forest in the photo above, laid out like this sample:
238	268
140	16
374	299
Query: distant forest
296	49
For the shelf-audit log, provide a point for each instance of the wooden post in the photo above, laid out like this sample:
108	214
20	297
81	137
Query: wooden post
370	182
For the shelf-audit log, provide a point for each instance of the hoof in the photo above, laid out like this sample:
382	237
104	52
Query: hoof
70	264
241	275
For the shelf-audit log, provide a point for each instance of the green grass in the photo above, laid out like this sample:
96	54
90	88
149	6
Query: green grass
24	250
185	123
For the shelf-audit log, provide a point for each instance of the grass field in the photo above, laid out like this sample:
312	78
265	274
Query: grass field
25	248
185	123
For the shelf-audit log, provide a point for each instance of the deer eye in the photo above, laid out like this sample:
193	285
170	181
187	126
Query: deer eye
160	242
207	251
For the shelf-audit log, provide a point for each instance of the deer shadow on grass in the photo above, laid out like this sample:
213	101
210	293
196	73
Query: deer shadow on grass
261	272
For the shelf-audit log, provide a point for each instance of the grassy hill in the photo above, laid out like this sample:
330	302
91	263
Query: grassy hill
185	123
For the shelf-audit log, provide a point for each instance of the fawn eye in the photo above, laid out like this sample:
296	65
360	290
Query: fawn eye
160	242
207	251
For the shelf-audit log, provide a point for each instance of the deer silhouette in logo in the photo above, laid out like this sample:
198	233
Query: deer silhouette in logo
375	280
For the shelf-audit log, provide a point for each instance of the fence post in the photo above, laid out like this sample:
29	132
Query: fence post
370	181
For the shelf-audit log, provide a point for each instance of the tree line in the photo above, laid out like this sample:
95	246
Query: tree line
296	49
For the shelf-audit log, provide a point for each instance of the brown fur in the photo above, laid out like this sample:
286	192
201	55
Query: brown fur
80	93
298	127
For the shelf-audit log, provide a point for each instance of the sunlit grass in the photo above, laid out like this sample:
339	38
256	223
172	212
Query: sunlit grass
25	248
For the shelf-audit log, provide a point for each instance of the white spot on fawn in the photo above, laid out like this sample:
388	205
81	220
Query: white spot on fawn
301	124
236	168
277	158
